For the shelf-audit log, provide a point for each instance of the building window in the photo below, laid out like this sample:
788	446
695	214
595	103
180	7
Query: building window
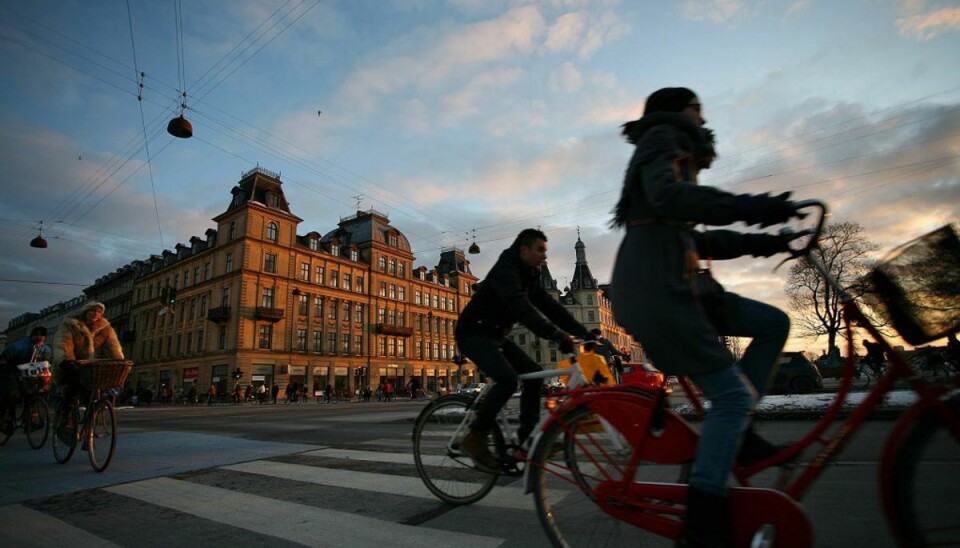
319	276
419	350
169	346
436	301
382	264
393	267
401	347
232	231
393	292
200	347
179	347
402	269
302	340
359	314
270	263
358	344
266	297
347	282
225	297
222	339
314	244
203	306
522	339
305	272
206	271
359	284
334	249
401	293
273	200
381	315
334	278
383	289
318	307
443	302
332	343
436	351
553	355
354	255
186	278
304	305
393	240
196	274
272	231
189	342
345	342
417	297
392	316
333	310
392	346
591	316
318	341
266	334
229	267
382	346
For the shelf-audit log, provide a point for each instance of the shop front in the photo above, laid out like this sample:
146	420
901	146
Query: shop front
262	375
391	374
298	374
190	376
218	378
341	382
320	379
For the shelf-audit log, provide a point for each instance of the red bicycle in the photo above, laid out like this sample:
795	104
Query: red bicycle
579	488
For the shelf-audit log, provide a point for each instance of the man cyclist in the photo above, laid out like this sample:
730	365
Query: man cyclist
32	348
512	292
874	358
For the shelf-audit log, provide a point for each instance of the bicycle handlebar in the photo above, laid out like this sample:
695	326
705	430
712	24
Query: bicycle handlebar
815	234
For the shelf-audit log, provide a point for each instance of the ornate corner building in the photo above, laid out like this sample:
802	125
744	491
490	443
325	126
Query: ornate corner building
346	308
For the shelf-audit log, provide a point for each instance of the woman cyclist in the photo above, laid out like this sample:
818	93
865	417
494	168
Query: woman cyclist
656	296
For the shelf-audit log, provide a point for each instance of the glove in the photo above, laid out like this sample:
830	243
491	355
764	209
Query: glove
766	210
564	342
765	245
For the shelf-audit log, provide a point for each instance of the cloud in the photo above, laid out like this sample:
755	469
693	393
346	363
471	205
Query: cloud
564	34
566	78
928	26
714	11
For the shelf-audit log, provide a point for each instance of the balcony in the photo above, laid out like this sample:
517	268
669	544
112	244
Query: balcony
393	329
268	314
219	314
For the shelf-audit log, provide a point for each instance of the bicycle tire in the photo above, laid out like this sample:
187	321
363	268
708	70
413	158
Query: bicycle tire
925	475
862	377
571	458
101	435
65	438
449	474
35	409
8	423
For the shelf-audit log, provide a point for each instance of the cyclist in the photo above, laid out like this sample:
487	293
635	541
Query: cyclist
512	292
32	348
87	335
656	299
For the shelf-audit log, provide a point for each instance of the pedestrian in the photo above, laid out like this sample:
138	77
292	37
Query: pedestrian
388	391
211	394
275	391
874	358
328	394
248	393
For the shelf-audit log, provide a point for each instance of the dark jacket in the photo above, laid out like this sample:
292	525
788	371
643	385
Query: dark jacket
23	351
512	293
652	288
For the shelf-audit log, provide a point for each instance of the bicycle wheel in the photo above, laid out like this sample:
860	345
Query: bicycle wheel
862	377
574	455
8	423
925	476
36	422
66	420
447	472
101	435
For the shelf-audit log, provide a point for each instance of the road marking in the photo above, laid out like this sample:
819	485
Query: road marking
294	522
22	526
500	497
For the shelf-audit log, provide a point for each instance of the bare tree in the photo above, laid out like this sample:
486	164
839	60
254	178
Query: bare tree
816	306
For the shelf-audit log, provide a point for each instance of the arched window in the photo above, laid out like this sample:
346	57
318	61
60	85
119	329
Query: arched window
272	231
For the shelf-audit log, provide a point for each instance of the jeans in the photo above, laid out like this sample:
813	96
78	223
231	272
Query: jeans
733	392
502	360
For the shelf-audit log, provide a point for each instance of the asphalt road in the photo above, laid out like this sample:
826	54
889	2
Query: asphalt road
326	475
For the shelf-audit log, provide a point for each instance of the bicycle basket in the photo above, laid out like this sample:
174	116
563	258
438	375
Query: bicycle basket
103	374
917	287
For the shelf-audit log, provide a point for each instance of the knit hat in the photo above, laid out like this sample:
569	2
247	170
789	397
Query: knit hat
90	304
668	100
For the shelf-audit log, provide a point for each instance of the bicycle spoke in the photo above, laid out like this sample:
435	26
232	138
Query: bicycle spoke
36	422
66	421
102	438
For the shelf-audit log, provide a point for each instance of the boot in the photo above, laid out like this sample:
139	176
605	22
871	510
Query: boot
755	448
707	522
474	444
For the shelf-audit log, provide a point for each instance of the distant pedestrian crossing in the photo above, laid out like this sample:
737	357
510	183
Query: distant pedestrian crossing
366	494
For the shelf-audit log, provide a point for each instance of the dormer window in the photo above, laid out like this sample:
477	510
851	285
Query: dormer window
392	240
314	244
272	231
273	200
354	255
335	250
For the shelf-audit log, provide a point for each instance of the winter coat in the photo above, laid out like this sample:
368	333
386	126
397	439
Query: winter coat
511	293
77	341
23	351
652	288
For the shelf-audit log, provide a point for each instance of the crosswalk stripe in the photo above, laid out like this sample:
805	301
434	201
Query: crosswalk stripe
21	526
367	456
500	497
295	522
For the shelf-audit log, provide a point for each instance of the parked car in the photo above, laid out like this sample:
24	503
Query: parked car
795	374
645	376
474	388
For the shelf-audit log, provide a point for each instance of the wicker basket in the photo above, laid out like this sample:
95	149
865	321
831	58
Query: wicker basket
102	374
917	287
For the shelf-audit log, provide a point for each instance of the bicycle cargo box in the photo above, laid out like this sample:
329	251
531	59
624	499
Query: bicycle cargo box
917	287
103	374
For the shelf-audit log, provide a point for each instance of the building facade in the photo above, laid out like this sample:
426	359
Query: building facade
346	308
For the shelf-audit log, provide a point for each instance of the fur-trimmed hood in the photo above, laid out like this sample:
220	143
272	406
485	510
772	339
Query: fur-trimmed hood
77	341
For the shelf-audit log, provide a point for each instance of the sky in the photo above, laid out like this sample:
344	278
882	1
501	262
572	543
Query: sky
463	120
